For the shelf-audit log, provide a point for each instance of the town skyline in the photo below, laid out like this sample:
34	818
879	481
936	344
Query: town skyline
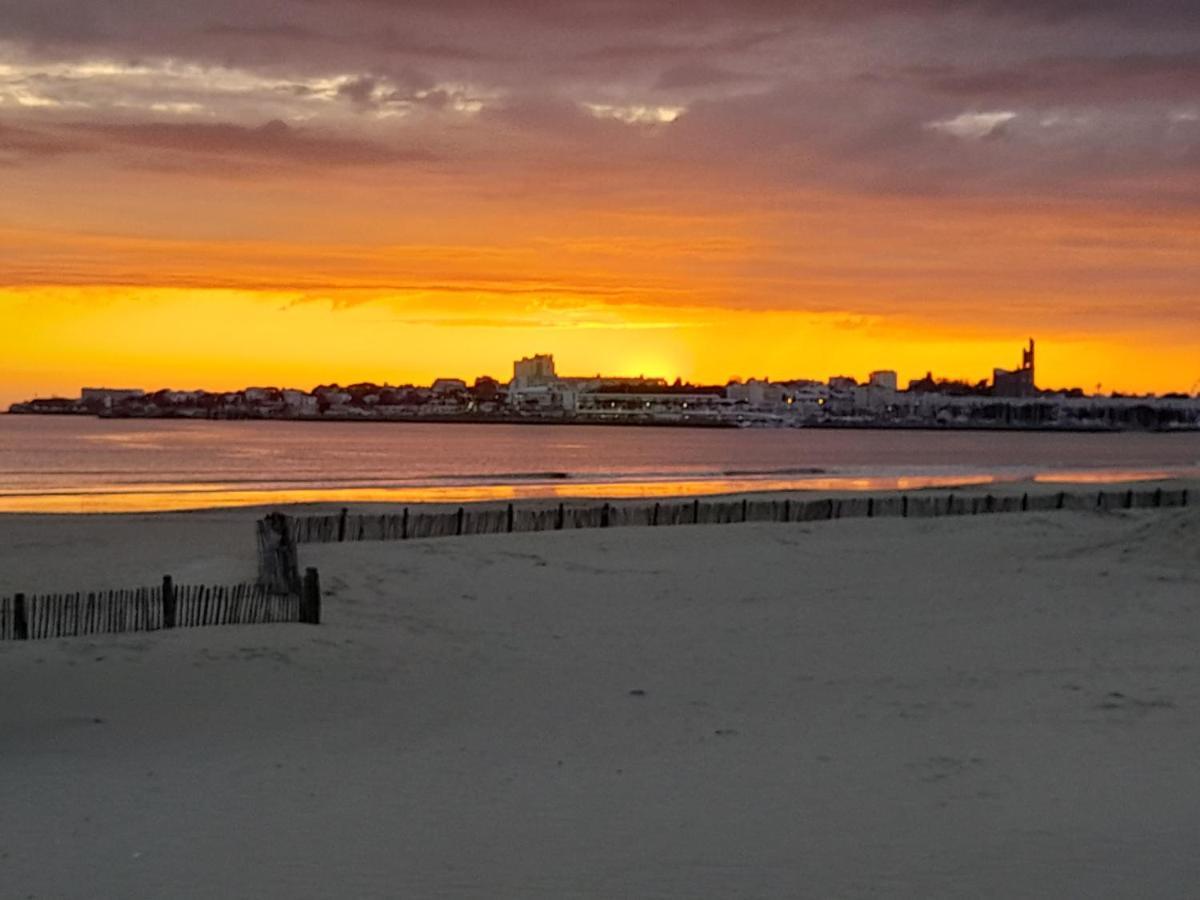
1051	372
537	393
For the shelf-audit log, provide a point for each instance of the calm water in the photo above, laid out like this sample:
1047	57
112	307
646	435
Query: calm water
93	465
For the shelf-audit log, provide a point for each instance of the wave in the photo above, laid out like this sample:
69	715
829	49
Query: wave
796	470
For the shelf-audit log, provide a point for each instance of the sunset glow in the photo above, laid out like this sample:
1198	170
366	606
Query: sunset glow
222	198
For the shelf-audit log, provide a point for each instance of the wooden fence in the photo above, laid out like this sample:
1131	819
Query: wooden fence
167	605
421	523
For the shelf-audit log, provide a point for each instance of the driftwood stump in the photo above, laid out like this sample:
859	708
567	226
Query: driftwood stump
278	561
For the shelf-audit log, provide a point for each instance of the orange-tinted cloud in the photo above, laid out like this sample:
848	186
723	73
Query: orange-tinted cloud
758	188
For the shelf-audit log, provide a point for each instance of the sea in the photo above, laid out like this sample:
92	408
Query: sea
83	464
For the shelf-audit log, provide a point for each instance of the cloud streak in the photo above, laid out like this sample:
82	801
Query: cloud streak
821	156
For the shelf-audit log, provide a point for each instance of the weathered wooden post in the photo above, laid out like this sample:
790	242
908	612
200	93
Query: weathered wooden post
1062	499
745	508
1025	502
654	516
342	524
870	507
1129	499
20	618
278	561
458	525
510	517
1158	497
696	511
1185	497
404	525
562	517
604	516
310	598
168	602
904	506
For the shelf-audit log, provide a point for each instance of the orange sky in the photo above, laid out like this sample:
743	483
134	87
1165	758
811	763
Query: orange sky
760	193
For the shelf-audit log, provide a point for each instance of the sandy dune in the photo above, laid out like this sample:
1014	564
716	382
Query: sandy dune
994	707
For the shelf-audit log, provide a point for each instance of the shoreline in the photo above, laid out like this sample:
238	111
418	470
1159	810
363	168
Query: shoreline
549	421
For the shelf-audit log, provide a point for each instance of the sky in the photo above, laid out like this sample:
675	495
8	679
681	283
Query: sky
243	192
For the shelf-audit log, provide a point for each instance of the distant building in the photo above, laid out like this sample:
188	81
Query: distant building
842	382
332	396
1017	382
534	371
262	395
924	385
756	394
669	403
106	398
486	388
300	402
884	380
444	386
182	397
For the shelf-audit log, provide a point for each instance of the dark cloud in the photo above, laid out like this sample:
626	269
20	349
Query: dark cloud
273	142
270	32
913	96
635	13
697	75
19	145
1102	78
360	90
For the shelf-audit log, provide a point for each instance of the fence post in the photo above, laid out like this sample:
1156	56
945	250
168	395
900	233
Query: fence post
1025	502
904	506
696	511
168	602
654	518
1185	496
1129	499
604	516
342	524
870	507
1158	497
1062	499
310	599
459	522
510	517
404	525
745	508
20	620
278	562
562	517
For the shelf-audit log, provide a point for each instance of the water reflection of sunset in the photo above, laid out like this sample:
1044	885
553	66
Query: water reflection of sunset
156	498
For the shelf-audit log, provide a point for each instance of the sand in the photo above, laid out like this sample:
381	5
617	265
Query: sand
998	706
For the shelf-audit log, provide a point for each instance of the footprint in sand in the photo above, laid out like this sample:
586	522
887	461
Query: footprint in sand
1122	705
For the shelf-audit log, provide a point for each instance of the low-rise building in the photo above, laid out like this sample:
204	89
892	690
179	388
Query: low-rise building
443	386
107	398
885	379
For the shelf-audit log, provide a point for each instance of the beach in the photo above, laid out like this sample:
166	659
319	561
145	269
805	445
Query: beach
992	706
